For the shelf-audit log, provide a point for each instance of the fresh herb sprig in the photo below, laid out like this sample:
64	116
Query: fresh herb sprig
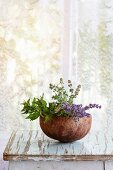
73	93
38	107
61	95
61	104
34	108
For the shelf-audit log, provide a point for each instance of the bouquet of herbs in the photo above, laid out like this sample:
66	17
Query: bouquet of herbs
60	105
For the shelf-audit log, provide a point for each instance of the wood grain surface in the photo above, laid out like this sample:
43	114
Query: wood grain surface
34	145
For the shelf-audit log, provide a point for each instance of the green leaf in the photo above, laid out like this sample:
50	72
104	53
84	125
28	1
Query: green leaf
33	116
48	117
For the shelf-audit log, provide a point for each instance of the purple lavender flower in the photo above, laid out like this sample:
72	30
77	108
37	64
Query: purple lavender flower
78	111
66	107
92	106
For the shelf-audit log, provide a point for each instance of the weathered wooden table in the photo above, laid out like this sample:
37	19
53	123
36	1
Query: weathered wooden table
32	150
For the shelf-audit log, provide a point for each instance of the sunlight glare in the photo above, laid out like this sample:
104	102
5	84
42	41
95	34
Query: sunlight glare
11	65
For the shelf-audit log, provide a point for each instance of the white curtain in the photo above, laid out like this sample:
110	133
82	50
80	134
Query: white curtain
30	50
92	55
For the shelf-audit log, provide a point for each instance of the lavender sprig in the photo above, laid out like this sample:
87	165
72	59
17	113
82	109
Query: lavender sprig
90	106
78	111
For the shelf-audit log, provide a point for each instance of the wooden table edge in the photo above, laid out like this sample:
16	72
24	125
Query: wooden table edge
7	157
